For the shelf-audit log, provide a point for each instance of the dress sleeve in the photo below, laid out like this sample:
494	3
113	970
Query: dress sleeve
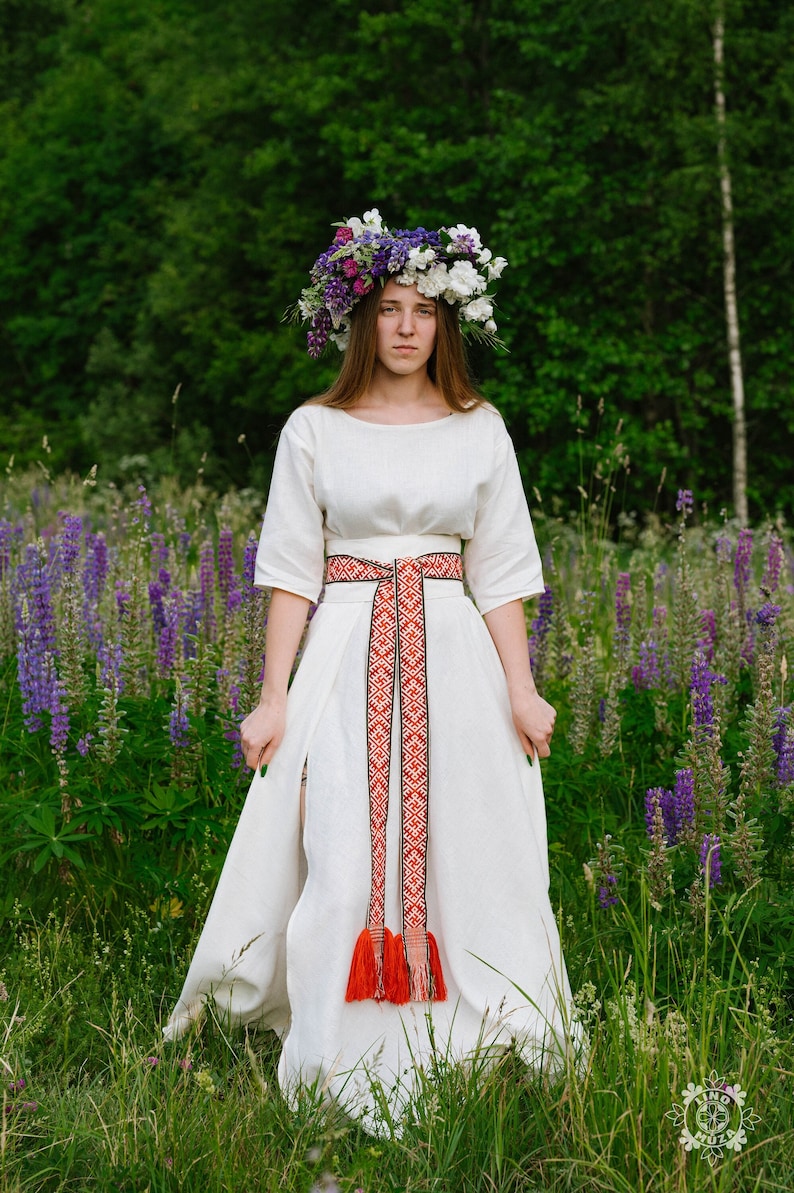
291	545
501	559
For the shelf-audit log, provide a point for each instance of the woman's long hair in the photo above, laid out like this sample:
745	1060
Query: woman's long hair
447	367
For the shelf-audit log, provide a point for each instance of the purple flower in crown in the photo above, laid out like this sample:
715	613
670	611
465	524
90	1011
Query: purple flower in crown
743	563
710	859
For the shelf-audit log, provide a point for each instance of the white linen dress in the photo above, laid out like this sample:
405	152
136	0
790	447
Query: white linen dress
291	900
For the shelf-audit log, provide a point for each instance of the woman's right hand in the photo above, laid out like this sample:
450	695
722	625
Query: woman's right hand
261	732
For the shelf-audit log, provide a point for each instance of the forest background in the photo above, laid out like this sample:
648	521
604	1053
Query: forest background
170	169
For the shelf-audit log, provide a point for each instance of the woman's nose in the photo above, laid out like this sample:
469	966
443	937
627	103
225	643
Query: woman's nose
407	323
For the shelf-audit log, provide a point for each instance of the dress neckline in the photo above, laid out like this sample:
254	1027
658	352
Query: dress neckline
428	422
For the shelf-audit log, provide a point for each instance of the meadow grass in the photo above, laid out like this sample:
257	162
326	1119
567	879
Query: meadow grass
111	846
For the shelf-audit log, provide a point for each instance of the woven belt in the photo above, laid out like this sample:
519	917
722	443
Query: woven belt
403	966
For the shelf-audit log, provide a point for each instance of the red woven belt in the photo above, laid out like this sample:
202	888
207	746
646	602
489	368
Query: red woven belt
403	966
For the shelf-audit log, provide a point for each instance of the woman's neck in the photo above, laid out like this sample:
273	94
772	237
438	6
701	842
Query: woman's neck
395	399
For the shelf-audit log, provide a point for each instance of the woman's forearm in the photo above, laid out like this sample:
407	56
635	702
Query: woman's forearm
533	716
508	628
285	624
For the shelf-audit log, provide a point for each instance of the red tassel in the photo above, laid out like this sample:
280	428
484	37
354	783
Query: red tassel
395	969
439	988
363	980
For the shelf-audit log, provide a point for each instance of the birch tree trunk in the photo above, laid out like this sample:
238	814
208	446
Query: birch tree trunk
729	277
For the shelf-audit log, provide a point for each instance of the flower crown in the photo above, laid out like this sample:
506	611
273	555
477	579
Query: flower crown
450	263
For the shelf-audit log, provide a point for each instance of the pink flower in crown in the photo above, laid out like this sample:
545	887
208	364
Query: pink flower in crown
360	287
343	235
349	267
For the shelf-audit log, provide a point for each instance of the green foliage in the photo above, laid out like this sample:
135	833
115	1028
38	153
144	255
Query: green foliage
168	172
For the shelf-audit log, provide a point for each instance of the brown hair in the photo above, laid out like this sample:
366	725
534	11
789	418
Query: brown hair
447	367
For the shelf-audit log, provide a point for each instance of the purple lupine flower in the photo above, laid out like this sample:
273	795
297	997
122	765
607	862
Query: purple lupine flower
110	657
179	726
36	650
164	579
659	577
783	743
541	625
710	851
227	579
144	505
191	623
123	598
767	615
71	541
249	565
742	563
702	700
646	674
84	744
607	892
95	571
707	639
156	604
169	635
682	805
622	612
774	565
184	540
159	548
685	502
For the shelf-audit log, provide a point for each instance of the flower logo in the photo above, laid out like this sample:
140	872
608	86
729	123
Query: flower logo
713	1118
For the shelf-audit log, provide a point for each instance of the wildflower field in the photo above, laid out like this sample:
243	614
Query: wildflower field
131	646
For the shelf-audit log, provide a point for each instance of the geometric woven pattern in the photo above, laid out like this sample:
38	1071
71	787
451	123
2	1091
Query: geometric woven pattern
398	655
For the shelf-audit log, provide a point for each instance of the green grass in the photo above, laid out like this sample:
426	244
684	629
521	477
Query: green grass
116	1109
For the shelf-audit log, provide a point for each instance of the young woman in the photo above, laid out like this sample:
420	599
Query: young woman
385	896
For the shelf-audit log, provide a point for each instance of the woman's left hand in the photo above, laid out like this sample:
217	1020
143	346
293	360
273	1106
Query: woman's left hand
534	720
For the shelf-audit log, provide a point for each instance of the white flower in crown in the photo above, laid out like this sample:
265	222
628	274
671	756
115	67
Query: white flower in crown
479	309
341	338
463	281
371	222
432	284
495	268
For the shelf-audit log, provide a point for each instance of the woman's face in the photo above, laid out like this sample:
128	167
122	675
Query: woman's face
406	331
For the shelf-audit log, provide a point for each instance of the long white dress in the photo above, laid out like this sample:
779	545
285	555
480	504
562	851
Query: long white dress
291	900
